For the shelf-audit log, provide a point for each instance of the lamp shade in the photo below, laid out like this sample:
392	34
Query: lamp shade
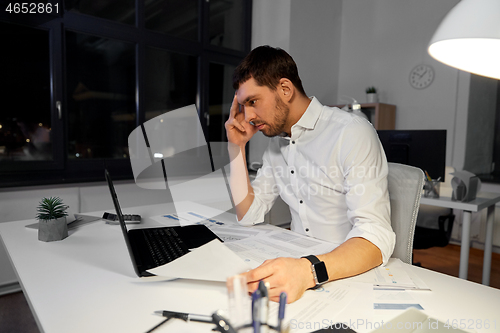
468	38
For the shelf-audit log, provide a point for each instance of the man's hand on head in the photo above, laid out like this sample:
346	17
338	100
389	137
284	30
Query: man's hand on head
289	275
238	130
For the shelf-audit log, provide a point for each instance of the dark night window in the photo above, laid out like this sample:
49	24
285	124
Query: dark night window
178	18
25	120
100	93
171	81
75	84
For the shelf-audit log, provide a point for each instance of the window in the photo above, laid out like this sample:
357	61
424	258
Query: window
224	28
80	80
100	85
494	176
25	123
221	94
115	10
171	81
178	18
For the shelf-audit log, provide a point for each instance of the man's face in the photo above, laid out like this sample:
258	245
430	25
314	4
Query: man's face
263	107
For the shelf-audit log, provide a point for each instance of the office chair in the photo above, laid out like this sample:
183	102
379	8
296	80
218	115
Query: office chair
405	185
426	237
429	234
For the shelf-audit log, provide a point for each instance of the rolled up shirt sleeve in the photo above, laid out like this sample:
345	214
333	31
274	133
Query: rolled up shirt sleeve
265	194
365	180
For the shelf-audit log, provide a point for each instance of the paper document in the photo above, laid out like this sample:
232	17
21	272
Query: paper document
235	233
415	321
419	283
212	261
390	299
186	218
360	308
278	243
393	275
318	309
189	213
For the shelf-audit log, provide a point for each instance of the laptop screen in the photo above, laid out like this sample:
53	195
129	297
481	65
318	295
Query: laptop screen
121	219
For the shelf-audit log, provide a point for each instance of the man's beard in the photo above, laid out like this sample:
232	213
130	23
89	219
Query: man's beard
280	118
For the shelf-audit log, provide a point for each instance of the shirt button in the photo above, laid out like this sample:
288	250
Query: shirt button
307	229
292	172
301	201
293	142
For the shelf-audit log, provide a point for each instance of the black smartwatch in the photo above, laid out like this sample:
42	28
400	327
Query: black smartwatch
318	269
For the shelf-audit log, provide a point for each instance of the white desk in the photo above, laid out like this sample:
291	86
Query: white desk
483	200
86	283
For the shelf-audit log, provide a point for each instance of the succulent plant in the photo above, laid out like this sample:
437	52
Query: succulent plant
51	208
371	90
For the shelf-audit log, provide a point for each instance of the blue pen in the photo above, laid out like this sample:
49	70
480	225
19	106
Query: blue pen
264	305
281	310
256	311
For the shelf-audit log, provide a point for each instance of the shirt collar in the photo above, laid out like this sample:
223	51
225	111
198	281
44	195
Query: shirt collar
308	119
310	116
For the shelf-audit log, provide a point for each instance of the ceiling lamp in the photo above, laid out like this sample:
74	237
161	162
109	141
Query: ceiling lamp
468	38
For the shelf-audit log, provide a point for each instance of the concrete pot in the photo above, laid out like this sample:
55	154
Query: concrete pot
52	230
372	98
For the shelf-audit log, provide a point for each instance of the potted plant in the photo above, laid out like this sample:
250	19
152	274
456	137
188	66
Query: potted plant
371	95
51	217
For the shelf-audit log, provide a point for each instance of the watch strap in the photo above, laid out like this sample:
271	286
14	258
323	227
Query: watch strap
318	269
313	259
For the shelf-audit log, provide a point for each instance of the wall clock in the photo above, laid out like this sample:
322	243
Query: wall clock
421	76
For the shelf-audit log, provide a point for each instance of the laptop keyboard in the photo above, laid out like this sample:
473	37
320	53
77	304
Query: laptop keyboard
164	245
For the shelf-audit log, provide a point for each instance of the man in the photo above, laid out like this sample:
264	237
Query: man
326	164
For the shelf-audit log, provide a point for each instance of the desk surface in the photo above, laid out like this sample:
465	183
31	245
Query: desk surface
86	283
483	200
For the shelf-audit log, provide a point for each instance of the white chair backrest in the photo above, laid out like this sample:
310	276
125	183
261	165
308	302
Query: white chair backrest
405	185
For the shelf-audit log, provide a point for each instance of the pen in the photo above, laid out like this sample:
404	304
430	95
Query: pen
281	310
256	311
264	305
185	316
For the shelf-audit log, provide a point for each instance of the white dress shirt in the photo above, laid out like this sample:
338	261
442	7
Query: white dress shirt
332	173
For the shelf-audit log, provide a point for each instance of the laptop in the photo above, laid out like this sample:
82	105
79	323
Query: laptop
153	247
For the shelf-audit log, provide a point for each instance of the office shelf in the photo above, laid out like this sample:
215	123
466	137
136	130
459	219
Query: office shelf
381	115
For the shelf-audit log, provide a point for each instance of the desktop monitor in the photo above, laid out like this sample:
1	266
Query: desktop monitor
425	149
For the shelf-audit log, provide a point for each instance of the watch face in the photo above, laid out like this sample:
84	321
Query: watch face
321	273
421	76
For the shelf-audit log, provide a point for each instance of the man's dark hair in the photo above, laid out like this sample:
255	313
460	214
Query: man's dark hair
267	65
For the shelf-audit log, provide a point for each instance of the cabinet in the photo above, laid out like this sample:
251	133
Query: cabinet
381	115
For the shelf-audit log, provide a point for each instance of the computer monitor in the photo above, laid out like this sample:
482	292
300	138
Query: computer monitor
425	149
